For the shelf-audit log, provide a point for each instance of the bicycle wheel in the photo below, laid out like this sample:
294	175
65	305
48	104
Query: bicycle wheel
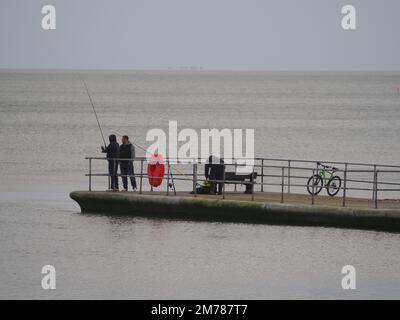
315	181
333	186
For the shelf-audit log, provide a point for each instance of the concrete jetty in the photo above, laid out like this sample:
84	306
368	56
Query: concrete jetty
239	208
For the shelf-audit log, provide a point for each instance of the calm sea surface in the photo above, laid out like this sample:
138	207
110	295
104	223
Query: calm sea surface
47	127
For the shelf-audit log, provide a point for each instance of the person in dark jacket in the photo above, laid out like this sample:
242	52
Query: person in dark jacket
214	170
112	151
127	151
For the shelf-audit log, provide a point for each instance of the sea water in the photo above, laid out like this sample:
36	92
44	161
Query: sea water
47	127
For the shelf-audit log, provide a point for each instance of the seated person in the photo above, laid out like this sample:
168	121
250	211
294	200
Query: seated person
214	170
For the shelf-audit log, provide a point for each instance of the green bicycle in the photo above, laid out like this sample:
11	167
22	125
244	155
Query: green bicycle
324	178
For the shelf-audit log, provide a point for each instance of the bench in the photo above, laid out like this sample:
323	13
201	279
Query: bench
246	179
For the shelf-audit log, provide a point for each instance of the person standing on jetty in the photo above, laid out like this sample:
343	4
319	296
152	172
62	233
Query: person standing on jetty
127	151
112	151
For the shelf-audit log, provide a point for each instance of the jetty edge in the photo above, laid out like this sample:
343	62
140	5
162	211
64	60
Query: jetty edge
219	210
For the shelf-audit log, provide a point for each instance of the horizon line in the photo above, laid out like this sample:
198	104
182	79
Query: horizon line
195	69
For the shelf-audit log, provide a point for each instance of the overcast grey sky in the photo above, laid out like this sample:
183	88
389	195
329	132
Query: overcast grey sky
214	34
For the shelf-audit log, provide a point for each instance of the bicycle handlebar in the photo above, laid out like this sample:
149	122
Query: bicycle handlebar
327	167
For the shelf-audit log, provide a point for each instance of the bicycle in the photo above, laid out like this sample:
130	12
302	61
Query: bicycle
324	178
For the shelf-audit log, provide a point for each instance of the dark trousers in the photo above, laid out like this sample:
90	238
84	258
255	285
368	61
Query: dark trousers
216	187
127	169
113	171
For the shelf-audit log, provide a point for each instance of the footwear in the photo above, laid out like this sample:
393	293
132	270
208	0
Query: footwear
124	190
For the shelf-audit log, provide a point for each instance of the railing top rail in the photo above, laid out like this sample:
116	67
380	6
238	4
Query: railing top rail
199	159
328	161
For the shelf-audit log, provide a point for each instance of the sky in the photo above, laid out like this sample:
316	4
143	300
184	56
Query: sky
212	34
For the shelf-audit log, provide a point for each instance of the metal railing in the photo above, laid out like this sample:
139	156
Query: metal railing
368	180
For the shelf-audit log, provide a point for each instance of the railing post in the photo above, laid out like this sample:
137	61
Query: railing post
262	175
141	176
235	173
373	190
168	172
195	179
90	174
288	179
344	185
223	183
376	189
253	184
109	181
313	187
282	183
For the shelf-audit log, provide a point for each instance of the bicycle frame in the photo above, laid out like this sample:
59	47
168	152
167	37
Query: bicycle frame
325	174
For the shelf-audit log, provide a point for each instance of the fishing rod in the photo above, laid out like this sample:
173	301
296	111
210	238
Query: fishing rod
95	113
102	135
101	131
